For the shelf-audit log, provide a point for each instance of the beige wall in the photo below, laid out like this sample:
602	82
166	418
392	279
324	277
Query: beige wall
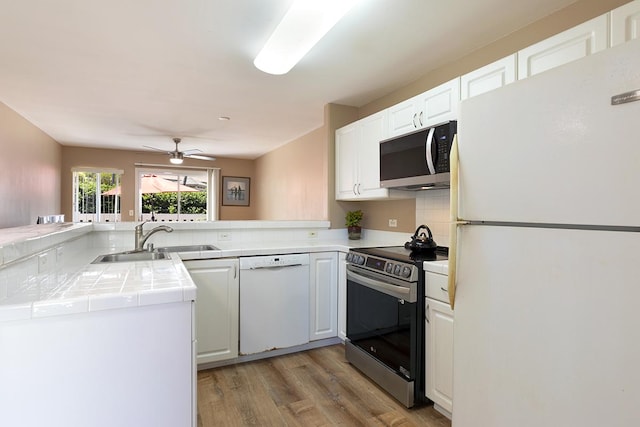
125	160
292	180
29	171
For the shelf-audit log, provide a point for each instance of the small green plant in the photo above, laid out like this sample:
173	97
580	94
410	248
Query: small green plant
354	218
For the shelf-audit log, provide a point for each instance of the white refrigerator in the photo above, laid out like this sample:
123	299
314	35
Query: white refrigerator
547	275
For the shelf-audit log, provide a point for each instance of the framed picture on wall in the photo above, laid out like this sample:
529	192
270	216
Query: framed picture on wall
235	190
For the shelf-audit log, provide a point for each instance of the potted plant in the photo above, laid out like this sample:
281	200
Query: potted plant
354	224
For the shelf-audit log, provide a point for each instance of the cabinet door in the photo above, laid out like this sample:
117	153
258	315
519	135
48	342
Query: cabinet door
439	354
372	132
342	296
217	308
403	117
625	23
347	141
323	295
489	77
575	43
439	104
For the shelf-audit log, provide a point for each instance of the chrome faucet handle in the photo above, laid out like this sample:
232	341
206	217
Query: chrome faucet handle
149	247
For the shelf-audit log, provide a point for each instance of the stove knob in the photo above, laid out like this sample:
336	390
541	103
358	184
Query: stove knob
406	272
360	260
397	269
349	255
389	268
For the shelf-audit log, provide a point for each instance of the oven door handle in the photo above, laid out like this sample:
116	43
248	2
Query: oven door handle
399	292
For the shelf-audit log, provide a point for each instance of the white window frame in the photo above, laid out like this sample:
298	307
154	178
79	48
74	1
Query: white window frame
213	181
98	201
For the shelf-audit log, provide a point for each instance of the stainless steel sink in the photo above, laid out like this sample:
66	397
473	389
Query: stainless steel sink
131	256
186	248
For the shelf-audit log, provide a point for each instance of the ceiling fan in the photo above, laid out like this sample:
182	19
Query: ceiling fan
176	157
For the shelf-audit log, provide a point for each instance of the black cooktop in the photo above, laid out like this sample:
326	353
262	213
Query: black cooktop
400	253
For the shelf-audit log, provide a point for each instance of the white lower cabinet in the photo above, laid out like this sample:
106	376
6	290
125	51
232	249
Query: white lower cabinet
438	343
217	308
439	354
323	295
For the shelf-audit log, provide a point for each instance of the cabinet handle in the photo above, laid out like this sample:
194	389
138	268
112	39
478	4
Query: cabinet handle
354	190
420	119
443	289
426	314
414	120
359	189
235	271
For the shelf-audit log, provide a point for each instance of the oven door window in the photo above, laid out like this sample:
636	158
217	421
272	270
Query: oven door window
383	326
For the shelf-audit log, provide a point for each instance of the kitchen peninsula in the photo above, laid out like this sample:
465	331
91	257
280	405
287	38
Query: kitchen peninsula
117	339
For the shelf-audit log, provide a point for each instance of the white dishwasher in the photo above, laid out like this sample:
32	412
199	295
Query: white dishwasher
274	302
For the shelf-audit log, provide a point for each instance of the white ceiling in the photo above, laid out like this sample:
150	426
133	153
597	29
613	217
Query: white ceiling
127	73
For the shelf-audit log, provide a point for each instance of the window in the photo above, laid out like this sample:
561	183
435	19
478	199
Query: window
176	194
96	195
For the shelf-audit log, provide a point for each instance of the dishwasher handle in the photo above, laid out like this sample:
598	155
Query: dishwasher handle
272	267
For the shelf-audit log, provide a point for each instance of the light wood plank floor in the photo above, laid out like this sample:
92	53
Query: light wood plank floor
312	388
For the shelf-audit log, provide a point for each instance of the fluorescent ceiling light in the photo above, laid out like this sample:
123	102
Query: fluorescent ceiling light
306	22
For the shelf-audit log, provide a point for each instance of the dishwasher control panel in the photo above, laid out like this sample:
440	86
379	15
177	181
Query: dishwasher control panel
272	261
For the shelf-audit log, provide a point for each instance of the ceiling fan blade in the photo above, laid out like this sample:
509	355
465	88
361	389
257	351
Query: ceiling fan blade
193	150
157	149
200	157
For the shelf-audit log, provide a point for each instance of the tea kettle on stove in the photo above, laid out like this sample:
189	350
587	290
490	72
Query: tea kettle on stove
421	242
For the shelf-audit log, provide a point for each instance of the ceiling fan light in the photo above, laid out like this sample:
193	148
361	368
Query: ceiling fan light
304	24
176	158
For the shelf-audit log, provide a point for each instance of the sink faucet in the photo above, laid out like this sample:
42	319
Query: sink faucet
141	238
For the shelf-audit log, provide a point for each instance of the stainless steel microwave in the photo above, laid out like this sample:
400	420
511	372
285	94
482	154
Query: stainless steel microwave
417	160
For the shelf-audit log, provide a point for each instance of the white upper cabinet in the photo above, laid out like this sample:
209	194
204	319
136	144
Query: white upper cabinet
575	43
625	23
358	159
347	144
489	77
432	107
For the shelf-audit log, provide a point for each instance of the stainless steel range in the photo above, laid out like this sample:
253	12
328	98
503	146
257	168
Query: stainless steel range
385	318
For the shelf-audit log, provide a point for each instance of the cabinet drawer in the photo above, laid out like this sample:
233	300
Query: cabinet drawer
437	286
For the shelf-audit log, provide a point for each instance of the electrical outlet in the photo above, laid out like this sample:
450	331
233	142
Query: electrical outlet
312	234
224	236
393	223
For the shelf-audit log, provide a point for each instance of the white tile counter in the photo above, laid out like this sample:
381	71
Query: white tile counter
46	270
441	267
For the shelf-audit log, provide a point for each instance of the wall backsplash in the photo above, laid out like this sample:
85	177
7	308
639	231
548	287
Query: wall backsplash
432	210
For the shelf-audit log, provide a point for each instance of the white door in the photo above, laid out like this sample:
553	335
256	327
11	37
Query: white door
546	328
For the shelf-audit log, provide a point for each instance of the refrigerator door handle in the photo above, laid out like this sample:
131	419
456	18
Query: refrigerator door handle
429	152
453	227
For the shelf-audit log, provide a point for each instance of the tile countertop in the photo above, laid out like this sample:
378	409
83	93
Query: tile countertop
440	267
94	287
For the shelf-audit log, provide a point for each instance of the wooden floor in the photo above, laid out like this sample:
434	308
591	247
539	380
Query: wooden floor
312	388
